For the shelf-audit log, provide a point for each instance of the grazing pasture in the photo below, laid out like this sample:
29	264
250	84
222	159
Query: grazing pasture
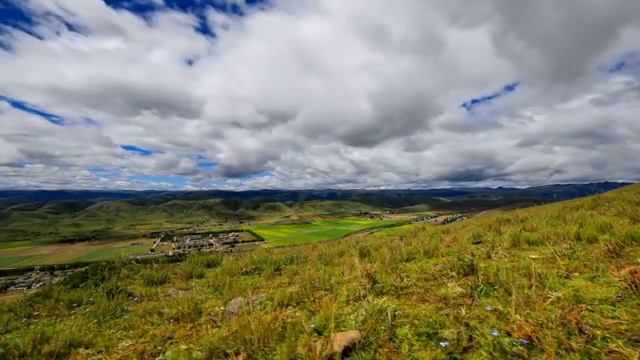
314	231
69	253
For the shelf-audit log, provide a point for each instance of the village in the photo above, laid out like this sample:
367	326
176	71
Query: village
169	244
166	245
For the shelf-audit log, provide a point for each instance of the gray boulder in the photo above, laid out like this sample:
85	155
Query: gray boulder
235	307
173	292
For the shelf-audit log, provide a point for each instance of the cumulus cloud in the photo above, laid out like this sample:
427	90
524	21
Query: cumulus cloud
320	93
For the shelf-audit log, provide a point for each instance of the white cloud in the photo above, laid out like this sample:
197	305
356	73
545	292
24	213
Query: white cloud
323	93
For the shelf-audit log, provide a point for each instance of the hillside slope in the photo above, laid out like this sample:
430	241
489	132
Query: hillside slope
53	221
560	281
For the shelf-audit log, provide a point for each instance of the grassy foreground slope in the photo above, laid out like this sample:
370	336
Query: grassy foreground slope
554	282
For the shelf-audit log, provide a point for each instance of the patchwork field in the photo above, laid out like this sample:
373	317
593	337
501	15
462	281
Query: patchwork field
315	231
69	253
25	253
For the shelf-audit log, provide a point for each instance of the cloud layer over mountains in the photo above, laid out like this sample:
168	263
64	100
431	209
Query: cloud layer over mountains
318	93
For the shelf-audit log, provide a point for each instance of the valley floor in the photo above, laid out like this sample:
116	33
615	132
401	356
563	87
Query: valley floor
25	253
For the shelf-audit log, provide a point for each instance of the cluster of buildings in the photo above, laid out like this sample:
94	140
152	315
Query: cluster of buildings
204	242
192	243
376	216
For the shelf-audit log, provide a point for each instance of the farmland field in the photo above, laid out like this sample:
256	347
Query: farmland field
16	244
282	235
69	253
24	253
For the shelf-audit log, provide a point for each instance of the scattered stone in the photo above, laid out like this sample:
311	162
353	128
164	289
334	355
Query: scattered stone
173	292
234	307
338	343
345	339
534	257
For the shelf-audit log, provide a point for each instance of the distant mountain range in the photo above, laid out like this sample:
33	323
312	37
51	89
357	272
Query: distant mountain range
384	197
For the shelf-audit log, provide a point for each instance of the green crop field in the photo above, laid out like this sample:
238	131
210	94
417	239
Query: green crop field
282	235
107	254
16	244
11	261
69	253
23	253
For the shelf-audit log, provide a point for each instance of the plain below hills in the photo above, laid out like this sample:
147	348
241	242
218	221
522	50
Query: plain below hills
62	220
53	216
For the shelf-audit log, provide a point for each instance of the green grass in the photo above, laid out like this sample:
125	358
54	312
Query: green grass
15	260
395	230
110	254
16	244
311	237
564	277
316	231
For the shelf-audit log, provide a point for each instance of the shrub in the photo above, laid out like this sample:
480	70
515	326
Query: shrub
93	276
191	271
364	251
155	277
209	261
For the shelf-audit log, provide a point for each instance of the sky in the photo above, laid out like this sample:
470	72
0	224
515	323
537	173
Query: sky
301	94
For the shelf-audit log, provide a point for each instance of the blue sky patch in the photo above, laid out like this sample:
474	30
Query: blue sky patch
206	164
471	104
14	15
139	151
99	170
623	63
146	8
106	171
203	163
33	110
26	163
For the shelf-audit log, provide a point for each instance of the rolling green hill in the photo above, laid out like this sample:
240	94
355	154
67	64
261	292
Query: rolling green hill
559	281
52	216
77	215
50	222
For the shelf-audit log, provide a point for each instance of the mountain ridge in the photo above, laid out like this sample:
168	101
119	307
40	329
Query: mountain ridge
292	195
